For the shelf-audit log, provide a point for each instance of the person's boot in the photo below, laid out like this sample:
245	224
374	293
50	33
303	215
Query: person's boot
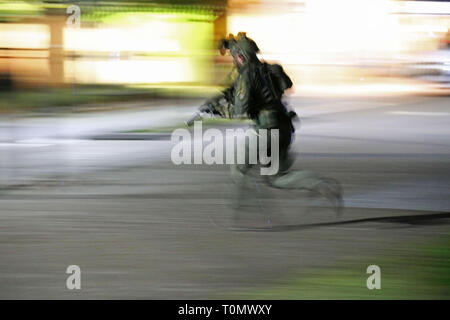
331	190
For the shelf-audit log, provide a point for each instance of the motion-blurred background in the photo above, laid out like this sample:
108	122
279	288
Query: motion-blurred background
157	45
90	92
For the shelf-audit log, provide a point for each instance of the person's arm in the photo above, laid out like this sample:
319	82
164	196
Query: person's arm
242	96
226	94
220	104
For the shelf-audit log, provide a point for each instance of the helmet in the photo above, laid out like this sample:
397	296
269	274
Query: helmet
240	45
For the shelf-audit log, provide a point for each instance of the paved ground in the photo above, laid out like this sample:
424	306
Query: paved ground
139	226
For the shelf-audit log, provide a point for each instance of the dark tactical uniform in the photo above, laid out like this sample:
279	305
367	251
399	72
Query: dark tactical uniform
256	93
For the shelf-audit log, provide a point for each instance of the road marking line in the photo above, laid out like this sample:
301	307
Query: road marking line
419	113
327	108
26	145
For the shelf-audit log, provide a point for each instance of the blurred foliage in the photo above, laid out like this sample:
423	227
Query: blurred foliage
92	10
70	99
418	272
206	123
12	10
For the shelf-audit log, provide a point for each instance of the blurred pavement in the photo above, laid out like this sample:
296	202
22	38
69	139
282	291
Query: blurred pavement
139	226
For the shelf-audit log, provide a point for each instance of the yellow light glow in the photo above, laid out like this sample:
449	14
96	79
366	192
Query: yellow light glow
326	26
24	36
116	53
143	38
129	71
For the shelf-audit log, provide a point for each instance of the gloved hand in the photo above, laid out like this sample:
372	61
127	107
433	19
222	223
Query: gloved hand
292	115
206	107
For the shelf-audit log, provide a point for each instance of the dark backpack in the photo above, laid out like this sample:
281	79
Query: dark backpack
276	82
275	79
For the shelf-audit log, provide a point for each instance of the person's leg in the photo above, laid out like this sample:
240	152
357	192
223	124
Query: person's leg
239	175
303	179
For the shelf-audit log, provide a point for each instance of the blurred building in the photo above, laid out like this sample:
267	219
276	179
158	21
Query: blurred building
173	42
328	41
109	42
